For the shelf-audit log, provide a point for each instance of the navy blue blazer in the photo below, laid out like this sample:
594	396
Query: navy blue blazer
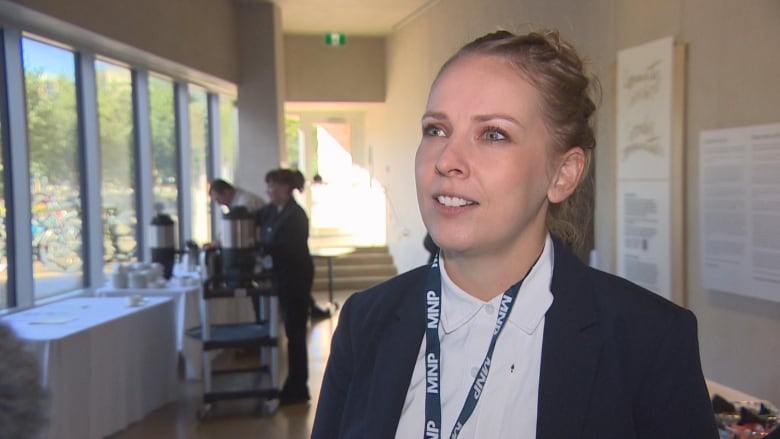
617	361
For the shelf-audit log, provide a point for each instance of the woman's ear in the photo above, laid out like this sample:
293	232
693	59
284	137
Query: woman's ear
567	176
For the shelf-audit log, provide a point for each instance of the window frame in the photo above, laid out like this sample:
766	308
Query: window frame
15	145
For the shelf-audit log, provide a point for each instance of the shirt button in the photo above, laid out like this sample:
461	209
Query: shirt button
474	371
489	309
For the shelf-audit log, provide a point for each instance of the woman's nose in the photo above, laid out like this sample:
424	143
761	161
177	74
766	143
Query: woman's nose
452	160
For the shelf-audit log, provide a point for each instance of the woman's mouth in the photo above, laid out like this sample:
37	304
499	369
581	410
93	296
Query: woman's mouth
453	201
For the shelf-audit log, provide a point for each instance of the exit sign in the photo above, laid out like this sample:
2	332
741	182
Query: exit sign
335	39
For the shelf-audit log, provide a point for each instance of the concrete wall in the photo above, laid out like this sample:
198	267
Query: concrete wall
317	72
196	33
260	93
733	74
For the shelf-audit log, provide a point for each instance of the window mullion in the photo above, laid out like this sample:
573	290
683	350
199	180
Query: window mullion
92	218
181	98
143	159
213	162
19	232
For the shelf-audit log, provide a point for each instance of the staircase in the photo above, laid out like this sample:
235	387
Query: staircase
364	268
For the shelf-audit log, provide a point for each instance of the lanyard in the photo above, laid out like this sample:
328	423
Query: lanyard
433	355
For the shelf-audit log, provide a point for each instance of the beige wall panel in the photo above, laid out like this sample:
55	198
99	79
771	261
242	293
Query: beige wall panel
354	72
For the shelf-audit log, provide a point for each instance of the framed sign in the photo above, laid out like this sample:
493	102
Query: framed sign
650	248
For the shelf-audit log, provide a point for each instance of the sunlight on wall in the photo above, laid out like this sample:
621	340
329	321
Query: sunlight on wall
347	203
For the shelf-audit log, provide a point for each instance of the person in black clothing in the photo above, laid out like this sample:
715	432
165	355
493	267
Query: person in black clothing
284	236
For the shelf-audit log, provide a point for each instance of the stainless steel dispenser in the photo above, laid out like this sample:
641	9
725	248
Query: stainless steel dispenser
238	244
162	241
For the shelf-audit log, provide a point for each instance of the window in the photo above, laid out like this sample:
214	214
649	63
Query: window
228	125
55	175
294	145
199	132
117	162
3	246
67	189
163	127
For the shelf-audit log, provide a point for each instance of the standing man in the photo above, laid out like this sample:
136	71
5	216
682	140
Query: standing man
225	194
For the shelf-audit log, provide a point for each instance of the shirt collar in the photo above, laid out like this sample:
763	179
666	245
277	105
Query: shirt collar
533	299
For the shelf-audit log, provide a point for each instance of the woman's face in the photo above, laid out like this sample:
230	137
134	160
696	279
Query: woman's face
278	193
483	167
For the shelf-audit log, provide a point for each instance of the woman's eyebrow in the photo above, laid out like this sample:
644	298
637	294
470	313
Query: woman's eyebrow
489	117
434	115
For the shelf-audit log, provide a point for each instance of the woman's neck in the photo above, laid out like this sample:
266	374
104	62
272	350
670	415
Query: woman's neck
486	276
282	203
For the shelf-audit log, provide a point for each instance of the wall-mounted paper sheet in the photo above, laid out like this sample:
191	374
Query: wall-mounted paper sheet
739	187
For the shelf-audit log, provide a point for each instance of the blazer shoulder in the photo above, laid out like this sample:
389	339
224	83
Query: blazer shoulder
391	292
377	305
614	297
631	298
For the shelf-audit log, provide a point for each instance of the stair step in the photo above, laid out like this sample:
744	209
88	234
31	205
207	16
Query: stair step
363	250
359	259
361	269
356	270
355	283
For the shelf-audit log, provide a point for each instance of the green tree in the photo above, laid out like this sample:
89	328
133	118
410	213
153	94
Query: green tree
52	127
163	126
115	115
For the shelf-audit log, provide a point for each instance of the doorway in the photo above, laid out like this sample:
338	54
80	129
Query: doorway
346	206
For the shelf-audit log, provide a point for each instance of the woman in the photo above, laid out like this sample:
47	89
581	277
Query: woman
507	334
285	236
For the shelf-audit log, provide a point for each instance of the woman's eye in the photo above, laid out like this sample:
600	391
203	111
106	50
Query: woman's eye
494	135
433	131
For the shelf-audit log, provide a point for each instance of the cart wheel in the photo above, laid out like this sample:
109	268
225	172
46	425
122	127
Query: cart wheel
268	406
204	412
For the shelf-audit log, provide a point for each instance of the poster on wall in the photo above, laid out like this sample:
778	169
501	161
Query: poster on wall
739	208
649	166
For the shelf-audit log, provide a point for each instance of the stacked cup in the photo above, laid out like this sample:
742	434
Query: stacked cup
137	275
119	277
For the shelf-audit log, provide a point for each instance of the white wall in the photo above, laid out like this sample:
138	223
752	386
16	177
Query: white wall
733	80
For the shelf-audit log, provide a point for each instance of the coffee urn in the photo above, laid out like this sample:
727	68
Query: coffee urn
238	245
163	242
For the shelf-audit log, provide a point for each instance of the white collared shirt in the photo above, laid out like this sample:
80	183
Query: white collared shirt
508	405
247	199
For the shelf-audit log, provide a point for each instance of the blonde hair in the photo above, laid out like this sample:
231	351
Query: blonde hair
568	97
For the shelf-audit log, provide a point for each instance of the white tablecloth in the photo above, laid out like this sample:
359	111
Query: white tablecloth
186	298
104	363
731	394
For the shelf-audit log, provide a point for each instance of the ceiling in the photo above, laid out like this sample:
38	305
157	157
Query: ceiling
352	17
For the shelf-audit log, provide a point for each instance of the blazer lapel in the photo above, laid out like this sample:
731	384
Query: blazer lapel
570	350
396	355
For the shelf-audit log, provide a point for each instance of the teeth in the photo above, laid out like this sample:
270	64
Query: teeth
453	201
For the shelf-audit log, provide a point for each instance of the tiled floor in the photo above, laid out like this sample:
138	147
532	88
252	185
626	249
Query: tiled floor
242	418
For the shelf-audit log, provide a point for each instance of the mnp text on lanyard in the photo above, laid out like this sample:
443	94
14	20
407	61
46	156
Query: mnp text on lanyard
433	354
